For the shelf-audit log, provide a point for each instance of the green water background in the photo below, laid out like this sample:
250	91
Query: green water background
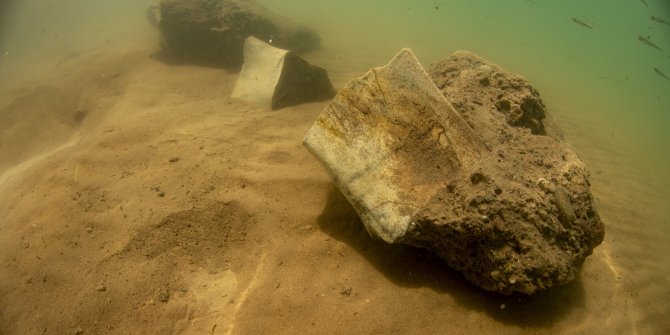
605	73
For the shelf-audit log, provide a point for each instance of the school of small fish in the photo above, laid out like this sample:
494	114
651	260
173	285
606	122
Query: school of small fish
646	40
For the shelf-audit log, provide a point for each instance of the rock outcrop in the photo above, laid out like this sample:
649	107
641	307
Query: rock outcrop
480	186
212	32
277	78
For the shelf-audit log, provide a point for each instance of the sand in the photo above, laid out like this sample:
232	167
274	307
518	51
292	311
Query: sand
168	207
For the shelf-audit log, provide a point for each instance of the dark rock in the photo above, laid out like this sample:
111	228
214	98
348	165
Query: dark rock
212	32
542	223
278	78
566	213
301	82
509	207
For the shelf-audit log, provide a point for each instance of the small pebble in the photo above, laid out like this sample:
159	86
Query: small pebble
78	330
89	229
495	275
163	296
502	306
101	288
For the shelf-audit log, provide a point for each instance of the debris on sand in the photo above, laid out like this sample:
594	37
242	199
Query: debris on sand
278	78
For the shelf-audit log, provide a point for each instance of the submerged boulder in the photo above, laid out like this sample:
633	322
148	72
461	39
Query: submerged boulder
278	78
213	32
391	141
470	82
508	208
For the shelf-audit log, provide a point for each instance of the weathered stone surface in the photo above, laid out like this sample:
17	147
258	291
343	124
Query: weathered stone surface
482	83
508	208
279	78
390	140
213	32
529	213
153	13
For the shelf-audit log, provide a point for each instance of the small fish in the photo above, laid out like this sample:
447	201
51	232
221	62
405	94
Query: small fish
648	42
645	3
659	20
661	73
581	23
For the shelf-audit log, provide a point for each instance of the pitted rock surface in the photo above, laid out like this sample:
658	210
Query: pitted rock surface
481	186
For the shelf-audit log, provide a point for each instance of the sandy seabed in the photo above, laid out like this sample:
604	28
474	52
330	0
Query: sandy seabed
136	197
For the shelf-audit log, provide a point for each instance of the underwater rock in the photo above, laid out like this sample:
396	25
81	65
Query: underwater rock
279	78
212	32
511	94
508	208
153	13
390	140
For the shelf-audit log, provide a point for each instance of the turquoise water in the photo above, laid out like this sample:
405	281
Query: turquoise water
599	83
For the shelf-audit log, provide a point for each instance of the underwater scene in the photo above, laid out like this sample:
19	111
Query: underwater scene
334	167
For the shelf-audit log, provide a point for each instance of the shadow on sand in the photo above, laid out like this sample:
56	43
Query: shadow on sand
163	56
411	267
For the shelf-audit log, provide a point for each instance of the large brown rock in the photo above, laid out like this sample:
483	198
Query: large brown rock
212	32
526	210
390	141
470	82
508	207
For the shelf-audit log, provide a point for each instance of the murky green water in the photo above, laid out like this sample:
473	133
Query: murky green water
601	83
605	73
